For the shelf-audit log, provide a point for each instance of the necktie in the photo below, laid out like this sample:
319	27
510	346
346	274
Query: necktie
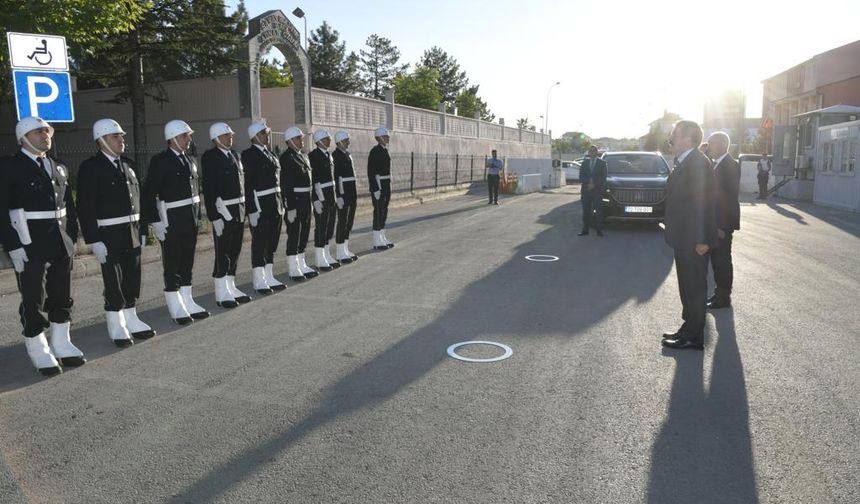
118	164
46	169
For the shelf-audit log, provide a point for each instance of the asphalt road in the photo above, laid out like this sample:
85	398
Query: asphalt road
340	389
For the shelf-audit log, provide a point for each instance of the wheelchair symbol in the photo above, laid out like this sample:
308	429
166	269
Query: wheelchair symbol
40	53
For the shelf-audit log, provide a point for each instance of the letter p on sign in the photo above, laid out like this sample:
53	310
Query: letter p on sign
44	94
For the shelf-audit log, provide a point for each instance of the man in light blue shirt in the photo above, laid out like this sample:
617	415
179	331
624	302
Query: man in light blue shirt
494	167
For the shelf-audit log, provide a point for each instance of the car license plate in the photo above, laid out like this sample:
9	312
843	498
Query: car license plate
638	209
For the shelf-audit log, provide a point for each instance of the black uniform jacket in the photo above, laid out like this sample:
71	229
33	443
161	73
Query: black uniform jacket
223	176
379	163
689	218
597	174
343	168
321	166
169	180
728	179
296	175
262	172
105	192
24	184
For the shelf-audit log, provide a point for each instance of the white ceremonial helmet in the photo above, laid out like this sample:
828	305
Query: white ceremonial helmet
293	132
219	129
104	127
256	127
320	135
340	136
29	124
175	128
381	132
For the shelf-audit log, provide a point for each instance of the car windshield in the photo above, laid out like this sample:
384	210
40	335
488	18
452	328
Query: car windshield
635	164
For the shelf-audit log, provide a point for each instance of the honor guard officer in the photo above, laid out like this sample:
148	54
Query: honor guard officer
38	227
347	197
109	213
323	200
296	187
172	205
379	180
264	206
224	195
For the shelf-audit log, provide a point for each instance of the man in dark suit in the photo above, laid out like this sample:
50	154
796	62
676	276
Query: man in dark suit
727	175
39	228
763	176
690	231
296	186
592	174
323	200
109	212
224	195
172	204
347	196
379	183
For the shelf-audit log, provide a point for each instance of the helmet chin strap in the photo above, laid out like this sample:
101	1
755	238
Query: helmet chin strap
293	146
104	147
30	146
219	144
321	146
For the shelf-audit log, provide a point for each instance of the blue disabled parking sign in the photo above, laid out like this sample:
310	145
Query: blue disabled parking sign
44	94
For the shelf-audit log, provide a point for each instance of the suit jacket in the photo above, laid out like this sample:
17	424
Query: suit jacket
105	192
597	175
689	218
379	163
321	167
170	180
727	176
296	175
262	172
223	177
344	168
24	184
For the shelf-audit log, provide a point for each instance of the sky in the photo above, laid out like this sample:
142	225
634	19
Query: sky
620	63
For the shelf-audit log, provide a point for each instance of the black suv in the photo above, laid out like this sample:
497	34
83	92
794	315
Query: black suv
635	186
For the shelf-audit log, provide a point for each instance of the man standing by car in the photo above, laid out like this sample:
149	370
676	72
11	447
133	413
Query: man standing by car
592	174
690	231
763	176
727	177
494	169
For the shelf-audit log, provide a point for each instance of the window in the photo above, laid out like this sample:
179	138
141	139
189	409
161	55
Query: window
827	158
849	151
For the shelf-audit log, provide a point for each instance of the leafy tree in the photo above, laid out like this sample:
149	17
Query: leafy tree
452	81
469	103
572	142
275	74
523	123
331	67
418	89
379	66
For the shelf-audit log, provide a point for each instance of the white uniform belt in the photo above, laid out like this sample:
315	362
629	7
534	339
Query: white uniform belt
326	184
347	179
234	201
384	177
47	214
113	221
301	189
266	192
182	202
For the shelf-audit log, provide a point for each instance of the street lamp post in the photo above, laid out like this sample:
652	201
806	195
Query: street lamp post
299	13
546	114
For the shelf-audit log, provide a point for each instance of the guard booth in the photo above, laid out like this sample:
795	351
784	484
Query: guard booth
836	182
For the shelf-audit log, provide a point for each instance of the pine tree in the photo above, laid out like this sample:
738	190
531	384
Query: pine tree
379	66
452	81
469	104
331	67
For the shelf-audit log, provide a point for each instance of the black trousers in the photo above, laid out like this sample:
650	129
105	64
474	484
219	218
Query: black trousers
45	285
228	246
591	203
493	187
324	225
121	277
380	211
345	218
762	185
330	225
692	271
721	262
297	233
264	241
177	256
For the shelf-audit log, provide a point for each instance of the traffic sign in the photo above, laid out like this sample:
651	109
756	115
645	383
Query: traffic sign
44	94
37	52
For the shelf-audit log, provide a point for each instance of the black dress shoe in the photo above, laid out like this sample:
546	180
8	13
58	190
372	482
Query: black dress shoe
345	260
144	335
489	202
495	202
582	233
50	371
673	335
227	304
276	287
123	343
334	265
718	303
184	320
73	361
312	274
354	258
683	343
389	245
200	315
264	291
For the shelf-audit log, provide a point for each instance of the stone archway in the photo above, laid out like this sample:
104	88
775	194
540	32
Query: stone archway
273	29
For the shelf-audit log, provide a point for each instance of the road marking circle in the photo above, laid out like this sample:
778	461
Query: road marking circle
452	351
541	258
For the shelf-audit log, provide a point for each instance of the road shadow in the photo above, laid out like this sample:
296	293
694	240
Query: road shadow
703	453
781	210
844	220
580	273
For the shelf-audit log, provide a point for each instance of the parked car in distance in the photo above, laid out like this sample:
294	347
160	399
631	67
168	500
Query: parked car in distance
635	186
571	171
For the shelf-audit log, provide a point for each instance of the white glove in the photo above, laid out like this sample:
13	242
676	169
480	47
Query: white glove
19	257
318	207
218	226
100	251
291	216
376	195
339	203
254	218
160	230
